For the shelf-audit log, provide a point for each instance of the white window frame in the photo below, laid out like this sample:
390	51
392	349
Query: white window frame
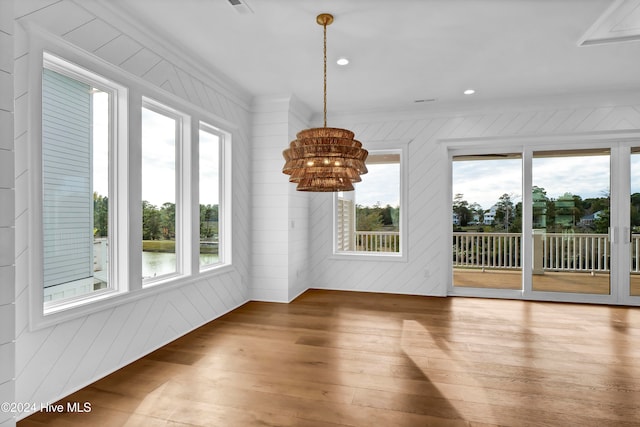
618	142
224	192
182	184
118	174
125	180
381	147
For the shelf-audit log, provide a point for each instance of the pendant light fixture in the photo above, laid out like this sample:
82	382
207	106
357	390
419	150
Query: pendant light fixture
325	159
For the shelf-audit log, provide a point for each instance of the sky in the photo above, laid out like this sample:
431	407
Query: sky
381	185
484	181
159	157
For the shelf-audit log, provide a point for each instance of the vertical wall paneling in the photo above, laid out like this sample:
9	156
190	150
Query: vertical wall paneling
7	215
298	211
280	214
52	362
270	246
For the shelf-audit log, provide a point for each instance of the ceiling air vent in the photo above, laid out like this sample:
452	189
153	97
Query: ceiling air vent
240	6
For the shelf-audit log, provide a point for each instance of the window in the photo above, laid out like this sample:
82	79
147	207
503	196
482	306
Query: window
161	137
79	126
88	174
210	188
368	219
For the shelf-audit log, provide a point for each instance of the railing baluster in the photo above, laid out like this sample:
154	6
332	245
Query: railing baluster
386	241
637	251
580	241
561	252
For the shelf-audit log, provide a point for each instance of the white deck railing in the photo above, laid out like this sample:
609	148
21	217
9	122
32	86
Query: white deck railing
378	241
487	250
575	252
551	251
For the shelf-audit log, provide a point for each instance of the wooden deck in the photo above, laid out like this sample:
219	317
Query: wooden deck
337	359
585	283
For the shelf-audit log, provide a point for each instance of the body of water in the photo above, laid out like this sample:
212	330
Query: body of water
159	263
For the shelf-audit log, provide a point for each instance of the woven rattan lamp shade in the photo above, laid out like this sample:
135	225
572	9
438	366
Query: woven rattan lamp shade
325	159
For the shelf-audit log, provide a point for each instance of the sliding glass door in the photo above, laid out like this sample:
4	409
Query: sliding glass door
487	221
570	222
549	224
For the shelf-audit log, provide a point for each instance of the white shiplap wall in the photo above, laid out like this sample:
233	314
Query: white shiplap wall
280	214
270	224
7	215
54	361
298	211
425	272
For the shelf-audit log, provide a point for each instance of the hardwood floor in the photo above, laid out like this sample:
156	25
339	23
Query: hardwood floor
359	359
574	282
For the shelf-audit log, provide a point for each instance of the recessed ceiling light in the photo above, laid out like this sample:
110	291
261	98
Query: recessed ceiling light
342	61
469	92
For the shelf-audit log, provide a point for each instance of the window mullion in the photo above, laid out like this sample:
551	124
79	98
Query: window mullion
184	197
131	189
527	218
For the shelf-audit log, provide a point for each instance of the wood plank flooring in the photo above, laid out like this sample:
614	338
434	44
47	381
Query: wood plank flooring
360	359
574	282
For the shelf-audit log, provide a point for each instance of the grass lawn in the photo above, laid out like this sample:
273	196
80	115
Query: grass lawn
168	246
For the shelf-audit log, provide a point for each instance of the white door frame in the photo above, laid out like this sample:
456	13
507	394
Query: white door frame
620	144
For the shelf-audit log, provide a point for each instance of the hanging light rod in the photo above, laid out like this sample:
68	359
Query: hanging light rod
325	159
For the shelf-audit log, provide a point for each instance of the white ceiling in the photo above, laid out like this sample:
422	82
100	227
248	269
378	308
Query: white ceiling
401	50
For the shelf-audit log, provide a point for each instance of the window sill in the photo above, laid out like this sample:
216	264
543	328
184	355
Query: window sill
369	256
65	311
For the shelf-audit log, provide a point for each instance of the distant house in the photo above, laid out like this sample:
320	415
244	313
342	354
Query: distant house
565	210
588	220
490	215
539	208
455	219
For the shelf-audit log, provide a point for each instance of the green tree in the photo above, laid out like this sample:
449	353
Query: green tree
168	220
476	211
505	212
601	223
368	219
100	215
516	225
208	221
461	208
578	209
386	214
150	221
551	215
